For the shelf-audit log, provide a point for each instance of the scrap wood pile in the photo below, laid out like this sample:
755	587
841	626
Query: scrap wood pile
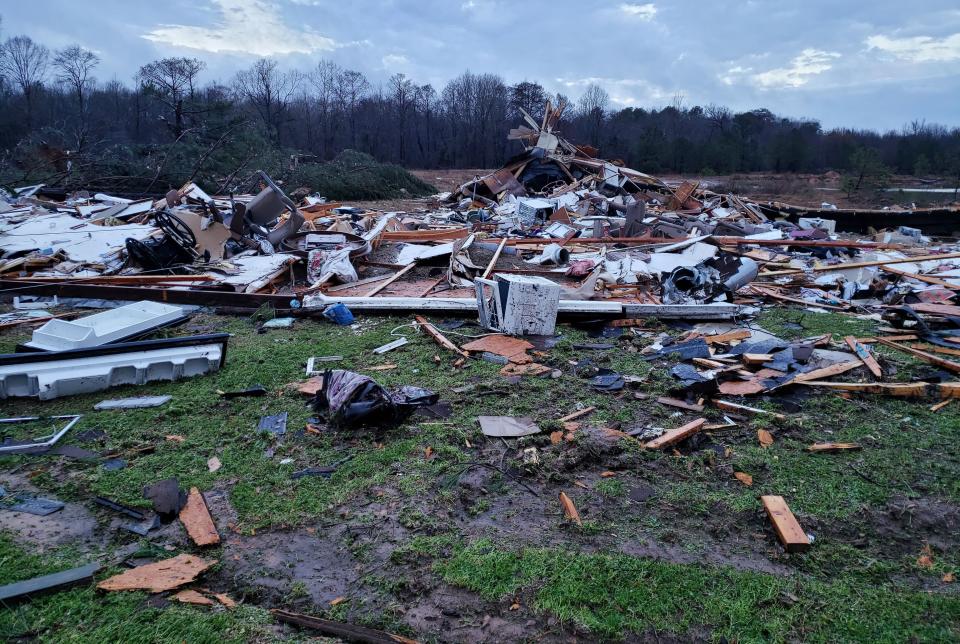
615	240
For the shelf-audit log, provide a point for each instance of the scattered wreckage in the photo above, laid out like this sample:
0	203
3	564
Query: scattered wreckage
555	233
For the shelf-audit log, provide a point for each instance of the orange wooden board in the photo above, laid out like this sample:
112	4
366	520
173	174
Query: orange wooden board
160	576
673	436
791	535
196	519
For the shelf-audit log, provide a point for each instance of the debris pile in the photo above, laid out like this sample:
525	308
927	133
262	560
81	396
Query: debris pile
555	233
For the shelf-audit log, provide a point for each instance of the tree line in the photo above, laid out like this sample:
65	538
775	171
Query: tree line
59	124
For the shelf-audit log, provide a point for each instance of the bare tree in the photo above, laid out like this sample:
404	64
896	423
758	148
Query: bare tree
352	86
268	90
172	81
24	63
403	94
593	107
74	65
325	78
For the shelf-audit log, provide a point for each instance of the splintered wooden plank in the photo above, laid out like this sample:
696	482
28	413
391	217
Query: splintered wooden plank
682	404
724	338
756	358
576	414
899	389
342	630
791	535
923	355
673	436
62	580
196	519
865	356
833	447
403	271
569	509
438	337
159	576
192	597
828	372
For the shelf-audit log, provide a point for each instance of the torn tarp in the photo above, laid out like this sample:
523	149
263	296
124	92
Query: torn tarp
355	400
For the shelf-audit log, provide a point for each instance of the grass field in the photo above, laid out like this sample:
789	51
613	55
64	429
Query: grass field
434	531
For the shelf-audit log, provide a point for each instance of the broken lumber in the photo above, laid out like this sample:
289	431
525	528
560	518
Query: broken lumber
865	356
576	414
159	576
673	436
438	337
348	632
878	262
832	447
796	300
724	338
673	402
54	582
917	276
737	407
569	509
898	389
192	597
379	287
196	519
493	260
940	405
923	355
936	309
828	372
756	358
791	535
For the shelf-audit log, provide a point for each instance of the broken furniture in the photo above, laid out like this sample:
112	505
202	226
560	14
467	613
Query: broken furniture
39	445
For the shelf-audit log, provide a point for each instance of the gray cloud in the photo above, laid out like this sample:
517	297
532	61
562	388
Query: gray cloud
876	66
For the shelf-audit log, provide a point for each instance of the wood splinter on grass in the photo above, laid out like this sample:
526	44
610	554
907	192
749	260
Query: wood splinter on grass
673	436
569	509
791	535
833	447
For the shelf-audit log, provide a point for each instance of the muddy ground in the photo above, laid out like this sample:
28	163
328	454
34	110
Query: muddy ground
411	534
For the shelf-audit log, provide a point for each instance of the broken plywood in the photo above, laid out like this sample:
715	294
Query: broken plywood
160	576
196	519
513	349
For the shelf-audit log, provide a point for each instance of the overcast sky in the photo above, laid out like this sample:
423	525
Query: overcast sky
876	64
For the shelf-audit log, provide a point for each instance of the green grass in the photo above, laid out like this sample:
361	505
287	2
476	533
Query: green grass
82	614
614	594
908	452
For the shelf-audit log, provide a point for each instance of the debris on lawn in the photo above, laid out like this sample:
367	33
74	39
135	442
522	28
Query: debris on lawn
569	509
160	576
353	399
791	535
673	273
196	518
346	632
12	594
507	426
